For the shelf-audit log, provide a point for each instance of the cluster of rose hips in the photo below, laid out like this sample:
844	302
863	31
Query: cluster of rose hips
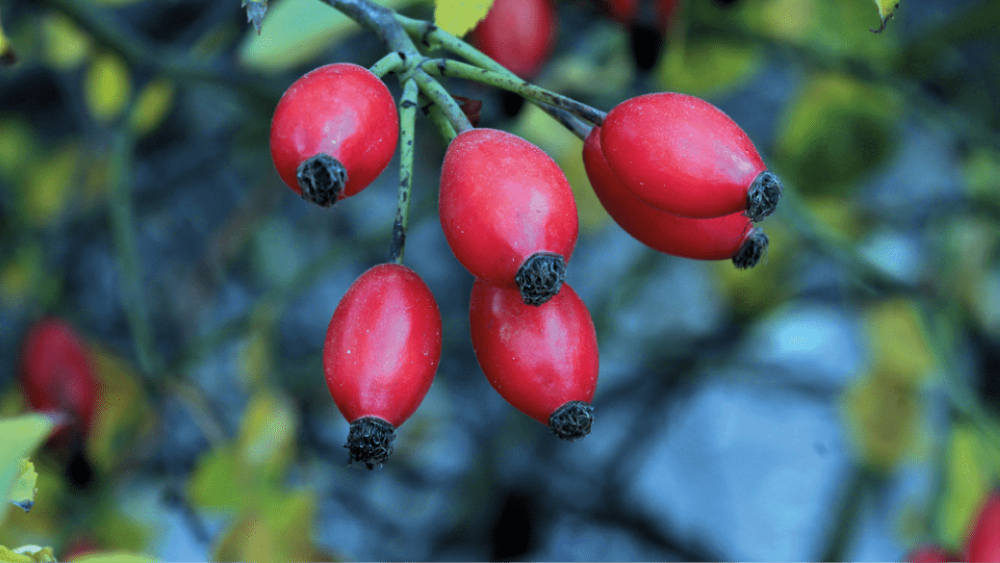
981	545
672	170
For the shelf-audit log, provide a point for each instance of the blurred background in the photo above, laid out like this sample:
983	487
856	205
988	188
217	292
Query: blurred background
838	401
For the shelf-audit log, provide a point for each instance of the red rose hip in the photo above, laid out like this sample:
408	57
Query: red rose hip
334	131
519	34
683	155
727	237
382	348
508	212
931	554
983	543
57	373
542	360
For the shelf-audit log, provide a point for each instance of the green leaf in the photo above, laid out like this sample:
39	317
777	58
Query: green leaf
23	493
297	32
123	412
970	470
458	17
217	481
26	554
113	557
703	68
18	438
255	12
886	9
267	435
7	55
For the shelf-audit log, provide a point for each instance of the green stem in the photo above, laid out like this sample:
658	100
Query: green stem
407	121
506	81
443	100
859	482
123	230
438	118
389	63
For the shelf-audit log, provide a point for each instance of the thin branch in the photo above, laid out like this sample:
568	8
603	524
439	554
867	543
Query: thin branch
407	118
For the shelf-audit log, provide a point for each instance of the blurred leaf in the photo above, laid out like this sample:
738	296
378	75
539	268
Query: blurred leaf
971	467
458	17
49	184
765	286
21	276
266	442
298	31
17	146
7	55
26	554
255	12
278	529
838	214
882	412
897	341
566	149
113	557
886	9
256	357
23	492
152	106
981	171
123	412
605	73
702	67
66	46
107	87
46	518
218	482
111	527
837	130
18	438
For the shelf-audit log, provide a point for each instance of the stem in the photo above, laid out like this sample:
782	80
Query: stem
443	100
859	482
407	121
506	81
389	63
439	119
123	230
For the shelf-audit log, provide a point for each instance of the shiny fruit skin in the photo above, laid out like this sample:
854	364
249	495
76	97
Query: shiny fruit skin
718	238
501	200
383	345
931	554
680	154
518	34
57	373
342	110
983	543
537	358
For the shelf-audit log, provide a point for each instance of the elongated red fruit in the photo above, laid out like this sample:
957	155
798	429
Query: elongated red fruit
508	212
519	34
333	132
57	373
542	360
728	237
683	155
382	348
983	543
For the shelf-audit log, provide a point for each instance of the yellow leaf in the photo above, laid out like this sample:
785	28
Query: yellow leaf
23	493
882	412
886	9
27	554
107	87
122	414
113	557
970	470
152	106
66	46
267	435
458	17
896	339
49	185
18	438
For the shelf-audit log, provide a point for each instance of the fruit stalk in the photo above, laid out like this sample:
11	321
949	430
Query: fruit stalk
407	120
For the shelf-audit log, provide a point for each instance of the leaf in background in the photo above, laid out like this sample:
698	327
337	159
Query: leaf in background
882	411
18	438
23	493
897	341
702	68
458	17
970	468
886	9
266	442
26	554
152	106
17	147
7	55
217	482
107	87
761	288
298	31
66	46
123	412
113	557
277	529
255	12
49	185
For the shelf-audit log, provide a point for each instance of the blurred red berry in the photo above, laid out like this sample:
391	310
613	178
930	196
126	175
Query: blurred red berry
983	543
519	34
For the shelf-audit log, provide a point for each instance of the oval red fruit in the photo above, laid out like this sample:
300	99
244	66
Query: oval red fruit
728	237
57	374
344	112
683	155
382	348
519	34
507	212
542	360
983	543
